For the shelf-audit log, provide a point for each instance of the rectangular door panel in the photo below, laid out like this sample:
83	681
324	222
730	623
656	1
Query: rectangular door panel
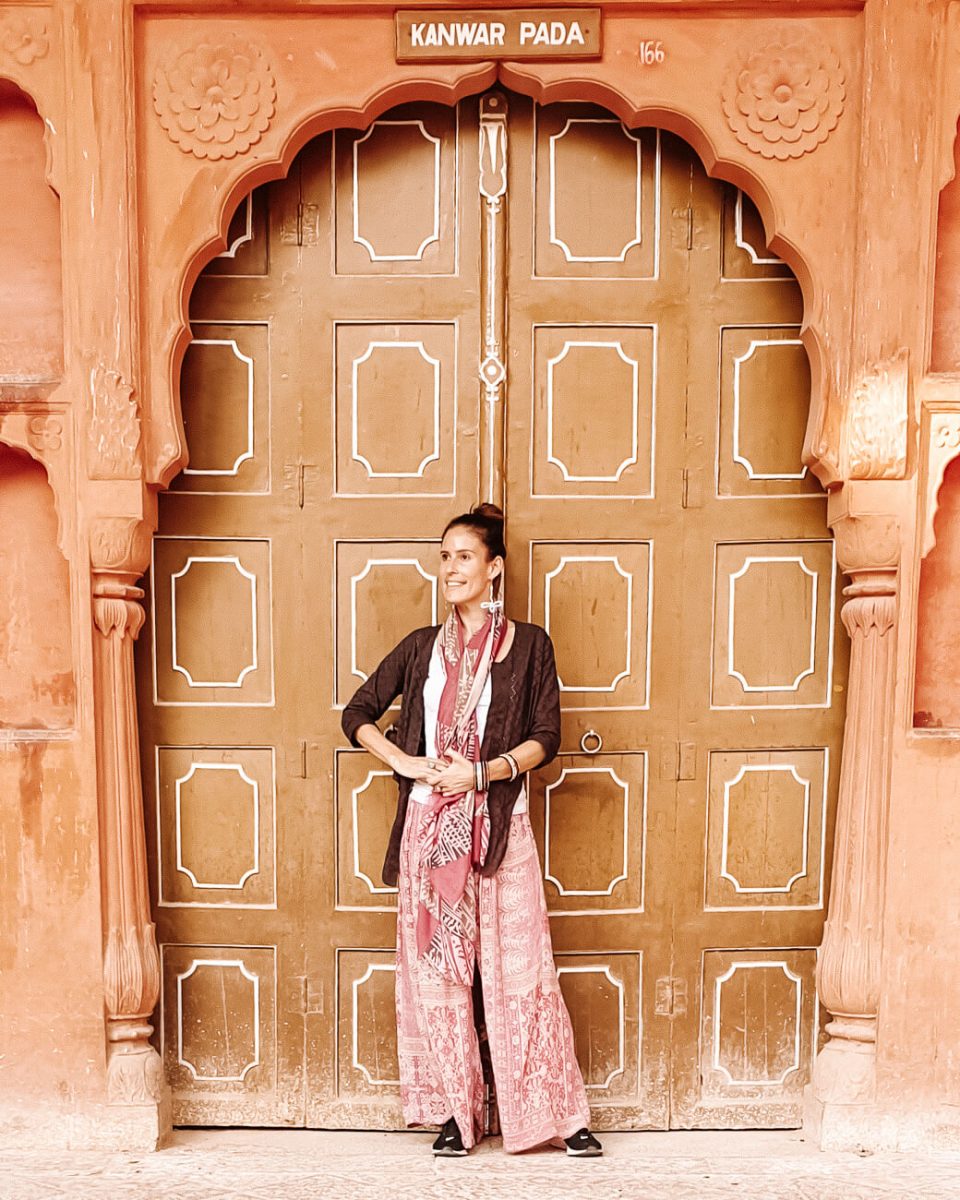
757	1038
216	818
366	804
589	875
219	1031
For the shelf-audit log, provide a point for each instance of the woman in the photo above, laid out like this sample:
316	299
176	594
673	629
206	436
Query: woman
481	707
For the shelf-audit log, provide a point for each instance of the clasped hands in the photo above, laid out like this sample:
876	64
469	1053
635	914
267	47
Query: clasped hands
449	775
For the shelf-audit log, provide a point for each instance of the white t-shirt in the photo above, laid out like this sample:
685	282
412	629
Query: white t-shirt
432	691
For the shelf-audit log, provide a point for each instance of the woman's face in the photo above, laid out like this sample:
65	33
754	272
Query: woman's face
465	568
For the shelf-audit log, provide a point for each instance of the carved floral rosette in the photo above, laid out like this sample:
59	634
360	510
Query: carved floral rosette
216	99
23	38
783	99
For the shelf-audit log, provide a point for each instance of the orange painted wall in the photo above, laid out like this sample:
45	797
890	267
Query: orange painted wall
921	963
937	699
31	305
37	686
51	1001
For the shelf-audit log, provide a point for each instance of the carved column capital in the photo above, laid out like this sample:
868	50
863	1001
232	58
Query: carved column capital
118	615
120	546
866	542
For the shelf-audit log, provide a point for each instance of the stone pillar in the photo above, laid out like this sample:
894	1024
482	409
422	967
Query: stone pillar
841	1100
131	967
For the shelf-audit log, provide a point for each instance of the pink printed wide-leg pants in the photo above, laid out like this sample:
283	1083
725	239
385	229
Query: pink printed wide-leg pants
540	1092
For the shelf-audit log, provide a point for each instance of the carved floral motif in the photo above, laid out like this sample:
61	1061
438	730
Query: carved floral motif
120	545
874	444
785	98
45	434
23	37
216	99
114	432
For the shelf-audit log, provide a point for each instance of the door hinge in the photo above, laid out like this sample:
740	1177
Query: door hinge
670	997
311	998
689	227
300	484
692	494
678	760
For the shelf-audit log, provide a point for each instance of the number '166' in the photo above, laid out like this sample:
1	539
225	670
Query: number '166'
651	53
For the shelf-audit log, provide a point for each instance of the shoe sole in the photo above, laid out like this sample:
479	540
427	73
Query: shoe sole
449	1153
589	1153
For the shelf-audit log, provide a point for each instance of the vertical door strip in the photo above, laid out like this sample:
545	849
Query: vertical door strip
493	239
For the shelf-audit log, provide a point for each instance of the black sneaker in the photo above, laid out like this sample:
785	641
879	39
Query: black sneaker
449	1143
583	1145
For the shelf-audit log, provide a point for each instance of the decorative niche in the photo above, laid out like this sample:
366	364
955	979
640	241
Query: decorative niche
31	299
37	684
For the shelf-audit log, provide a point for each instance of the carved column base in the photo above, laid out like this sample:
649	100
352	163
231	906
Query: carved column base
840	1110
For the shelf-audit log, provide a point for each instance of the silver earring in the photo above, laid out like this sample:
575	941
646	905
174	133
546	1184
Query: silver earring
495	603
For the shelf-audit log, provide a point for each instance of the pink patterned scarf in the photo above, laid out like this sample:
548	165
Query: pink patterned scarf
457	829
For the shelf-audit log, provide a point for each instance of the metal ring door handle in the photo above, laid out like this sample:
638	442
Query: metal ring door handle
591	733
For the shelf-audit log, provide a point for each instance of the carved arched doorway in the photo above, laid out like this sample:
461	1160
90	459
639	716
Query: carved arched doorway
596	334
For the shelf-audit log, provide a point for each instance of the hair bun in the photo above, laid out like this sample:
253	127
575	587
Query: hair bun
493	512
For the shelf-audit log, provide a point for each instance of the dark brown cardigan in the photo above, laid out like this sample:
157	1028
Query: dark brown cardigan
524	703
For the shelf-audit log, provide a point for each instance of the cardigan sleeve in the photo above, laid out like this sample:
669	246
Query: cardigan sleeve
375	695
545	702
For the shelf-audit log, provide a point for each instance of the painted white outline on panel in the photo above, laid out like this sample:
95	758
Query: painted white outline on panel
818	904
605	970
334	393
638	229
371	967
434	235
248	453
650	555
719	444
654	380
255	980
608	891
748	562
154	641
234	322
656	213
757	259
718	986
355	794
356	364
610	558
177	666
246	235
738	361
178	785
355	579
162	902
635	442
728	785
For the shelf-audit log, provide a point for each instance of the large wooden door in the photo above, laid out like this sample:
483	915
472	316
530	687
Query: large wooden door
646	442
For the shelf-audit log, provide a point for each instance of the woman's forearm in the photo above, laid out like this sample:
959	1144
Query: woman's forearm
370	738
528	754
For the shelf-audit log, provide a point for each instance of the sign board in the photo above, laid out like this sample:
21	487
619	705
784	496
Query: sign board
430	35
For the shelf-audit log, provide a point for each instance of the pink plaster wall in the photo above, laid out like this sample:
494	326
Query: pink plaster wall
919	1028
52	1054
937	698
945	355
31	303
37	686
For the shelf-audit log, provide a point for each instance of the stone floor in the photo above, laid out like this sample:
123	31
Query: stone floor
289	1165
